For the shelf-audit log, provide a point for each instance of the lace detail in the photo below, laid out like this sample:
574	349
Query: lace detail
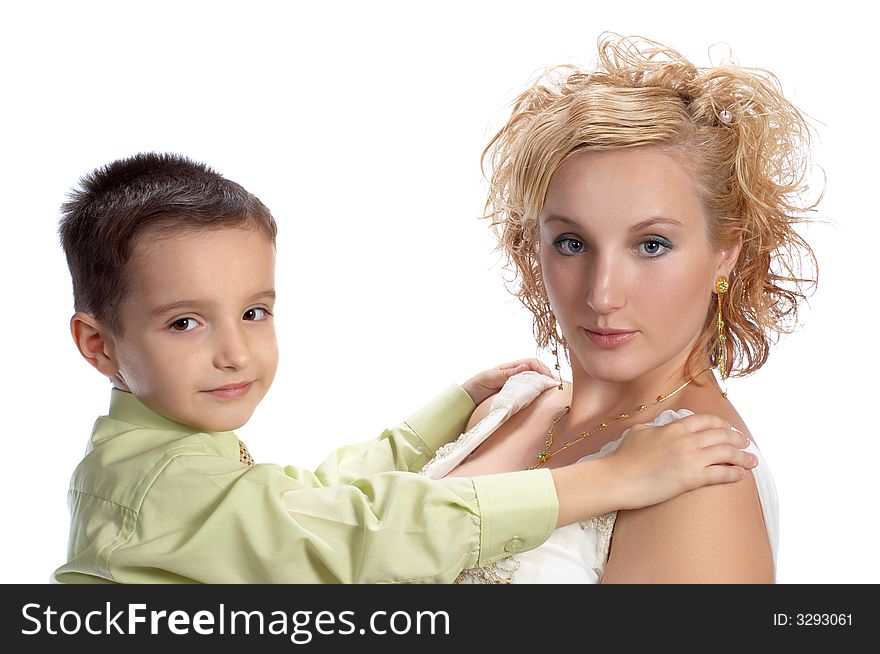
604	526
518	392
499	572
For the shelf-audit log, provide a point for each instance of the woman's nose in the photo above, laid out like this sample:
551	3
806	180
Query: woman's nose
605	291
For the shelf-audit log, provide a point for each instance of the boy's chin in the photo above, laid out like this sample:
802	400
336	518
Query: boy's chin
223	425
219	423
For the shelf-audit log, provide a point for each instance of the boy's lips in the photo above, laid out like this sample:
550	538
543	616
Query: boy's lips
231	391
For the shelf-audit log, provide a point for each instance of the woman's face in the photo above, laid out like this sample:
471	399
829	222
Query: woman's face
626	263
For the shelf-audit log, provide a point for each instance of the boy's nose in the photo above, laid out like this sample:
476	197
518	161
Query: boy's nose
231	351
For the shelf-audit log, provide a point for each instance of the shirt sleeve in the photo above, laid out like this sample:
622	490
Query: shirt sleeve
406	447
205	519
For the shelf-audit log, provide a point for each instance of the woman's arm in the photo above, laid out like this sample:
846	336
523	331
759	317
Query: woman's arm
713	534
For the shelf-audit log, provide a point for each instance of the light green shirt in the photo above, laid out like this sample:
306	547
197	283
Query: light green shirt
157	501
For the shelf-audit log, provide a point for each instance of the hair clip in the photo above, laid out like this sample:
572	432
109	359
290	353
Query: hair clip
725	116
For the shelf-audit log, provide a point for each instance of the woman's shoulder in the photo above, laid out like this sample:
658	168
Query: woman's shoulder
714	533
711	401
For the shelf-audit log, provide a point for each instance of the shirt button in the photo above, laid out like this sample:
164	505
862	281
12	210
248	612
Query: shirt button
514	545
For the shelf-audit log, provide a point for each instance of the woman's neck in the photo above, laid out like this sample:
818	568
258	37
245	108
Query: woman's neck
600	400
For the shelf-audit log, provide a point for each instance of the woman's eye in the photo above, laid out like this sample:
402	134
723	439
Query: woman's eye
655	247
254	314
568	245
183	325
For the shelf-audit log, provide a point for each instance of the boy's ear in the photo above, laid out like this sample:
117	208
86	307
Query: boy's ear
95	342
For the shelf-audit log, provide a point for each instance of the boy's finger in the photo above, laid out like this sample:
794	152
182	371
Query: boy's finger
538	366
703	421
723	474
727	454
542	368
719	435
521	365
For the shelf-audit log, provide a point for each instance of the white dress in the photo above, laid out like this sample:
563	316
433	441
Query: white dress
576	553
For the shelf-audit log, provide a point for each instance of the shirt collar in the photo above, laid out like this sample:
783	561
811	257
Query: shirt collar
125	407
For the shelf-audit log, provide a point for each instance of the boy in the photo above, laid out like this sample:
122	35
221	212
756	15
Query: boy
173	276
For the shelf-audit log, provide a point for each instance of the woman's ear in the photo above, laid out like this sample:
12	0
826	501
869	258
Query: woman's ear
95	343
725	260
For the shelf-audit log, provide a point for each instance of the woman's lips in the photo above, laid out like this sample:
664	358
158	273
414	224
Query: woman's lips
231	391
610	340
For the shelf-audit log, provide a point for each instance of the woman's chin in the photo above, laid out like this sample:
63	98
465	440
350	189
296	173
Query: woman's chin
612	374
617	372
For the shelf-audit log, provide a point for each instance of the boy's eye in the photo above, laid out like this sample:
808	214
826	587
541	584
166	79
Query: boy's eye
254	314
183	325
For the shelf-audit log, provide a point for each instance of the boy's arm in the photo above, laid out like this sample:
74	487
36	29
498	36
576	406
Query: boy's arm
411	444
406	447
205	519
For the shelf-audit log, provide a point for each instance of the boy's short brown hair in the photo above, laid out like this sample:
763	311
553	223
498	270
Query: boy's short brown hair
118	202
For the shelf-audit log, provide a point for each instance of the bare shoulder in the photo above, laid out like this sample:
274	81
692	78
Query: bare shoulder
714	534
512	443
709	401
480	412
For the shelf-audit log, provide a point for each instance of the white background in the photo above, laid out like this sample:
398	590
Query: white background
361	126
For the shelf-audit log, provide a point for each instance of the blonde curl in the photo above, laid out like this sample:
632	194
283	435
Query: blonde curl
746	144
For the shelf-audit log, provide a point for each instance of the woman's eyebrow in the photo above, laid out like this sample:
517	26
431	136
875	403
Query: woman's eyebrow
644	224
655	220
561	219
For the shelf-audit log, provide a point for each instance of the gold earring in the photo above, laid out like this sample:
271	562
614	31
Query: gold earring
721	286
555	352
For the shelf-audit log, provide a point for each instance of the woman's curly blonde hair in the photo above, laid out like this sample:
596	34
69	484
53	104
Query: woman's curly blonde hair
747	146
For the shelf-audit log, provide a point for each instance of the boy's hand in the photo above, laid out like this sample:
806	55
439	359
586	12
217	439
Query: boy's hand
657	463
489	382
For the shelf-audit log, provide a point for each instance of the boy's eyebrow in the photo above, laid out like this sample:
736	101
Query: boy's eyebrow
268	293
187	304
171	306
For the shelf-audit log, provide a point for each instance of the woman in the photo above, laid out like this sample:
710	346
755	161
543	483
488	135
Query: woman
648	208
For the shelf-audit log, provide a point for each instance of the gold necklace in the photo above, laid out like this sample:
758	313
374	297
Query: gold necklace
546	454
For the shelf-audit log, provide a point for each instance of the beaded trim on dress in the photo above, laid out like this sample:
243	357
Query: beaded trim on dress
604	524
499	572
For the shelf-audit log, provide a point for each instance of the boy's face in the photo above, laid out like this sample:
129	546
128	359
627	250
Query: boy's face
198	343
